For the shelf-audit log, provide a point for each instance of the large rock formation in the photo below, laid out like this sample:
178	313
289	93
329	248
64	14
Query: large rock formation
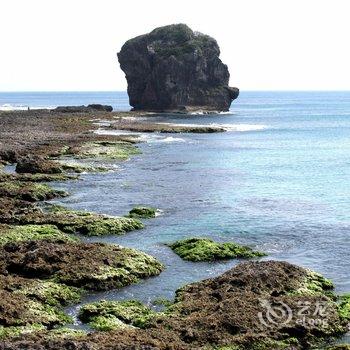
175	69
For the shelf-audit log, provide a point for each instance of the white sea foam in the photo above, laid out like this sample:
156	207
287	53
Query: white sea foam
101	122
228	127
172	139
228	112
205	112
197	113
9	107
115	132
242	127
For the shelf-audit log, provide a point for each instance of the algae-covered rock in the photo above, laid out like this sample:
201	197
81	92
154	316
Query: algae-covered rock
108	315
204	249
16	331
26	177
51	293
78	168
254	306
107	323
344	306
90	224
314	284
63	333
93	266
147	126
32	305
29	191
10	234
44	291
143	212
339	347
16	211
18	310
257	303
95	107
109	150
37	165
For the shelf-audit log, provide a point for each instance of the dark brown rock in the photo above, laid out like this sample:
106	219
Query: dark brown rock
175	69
93	266
37	165
84	109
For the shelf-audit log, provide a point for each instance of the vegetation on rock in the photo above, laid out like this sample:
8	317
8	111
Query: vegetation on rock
37	165
93	266
344	306
90	224
29	191
108	315
116	150
32	232
204	249
143	212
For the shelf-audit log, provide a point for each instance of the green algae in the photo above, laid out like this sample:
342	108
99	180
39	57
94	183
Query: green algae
47	177
47	315
340	347
91	224
126	270
142	212
112	226
64	332
32	232
52	293
162	302
6	177
204	249
344	306
15	331
79	168
314	284
38	317
107	323
108	315
30	191
264	344
116	150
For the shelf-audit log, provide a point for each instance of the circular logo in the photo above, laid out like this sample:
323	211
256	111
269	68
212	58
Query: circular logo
277	314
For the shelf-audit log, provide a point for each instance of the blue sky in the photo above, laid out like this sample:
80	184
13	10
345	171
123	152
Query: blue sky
268	45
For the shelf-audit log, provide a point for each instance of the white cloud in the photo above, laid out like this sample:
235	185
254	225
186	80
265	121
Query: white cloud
270	44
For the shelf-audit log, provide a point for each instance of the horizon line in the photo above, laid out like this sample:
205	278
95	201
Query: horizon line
241	90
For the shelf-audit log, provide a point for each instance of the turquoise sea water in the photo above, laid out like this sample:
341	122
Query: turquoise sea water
278	181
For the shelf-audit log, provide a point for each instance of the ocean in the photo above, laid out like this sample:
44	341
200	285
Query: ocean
277	181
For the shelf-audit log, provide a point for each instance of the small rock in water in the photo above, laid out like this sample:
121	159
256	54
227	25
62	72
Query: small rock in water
143	212
204	249
84	109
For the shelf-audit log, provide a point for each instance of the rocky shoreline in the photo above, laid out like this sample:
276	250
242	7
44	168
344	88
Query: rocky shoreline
45	264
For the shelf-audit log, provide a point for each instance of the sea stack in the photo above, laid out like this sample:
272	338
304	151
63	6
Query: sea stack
174	69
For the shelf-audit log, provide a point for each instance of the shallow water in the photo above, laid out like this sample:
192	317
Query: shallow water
277	181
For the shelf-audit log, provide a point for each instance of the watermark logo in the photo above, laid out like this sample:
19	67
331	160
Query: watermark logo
305	314
278	314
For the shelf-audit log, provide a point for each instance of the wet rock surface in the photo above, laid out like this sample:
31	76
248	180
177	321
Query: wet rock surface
223	313
29	191
35	165
175	69
93	266
148	126
44	266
